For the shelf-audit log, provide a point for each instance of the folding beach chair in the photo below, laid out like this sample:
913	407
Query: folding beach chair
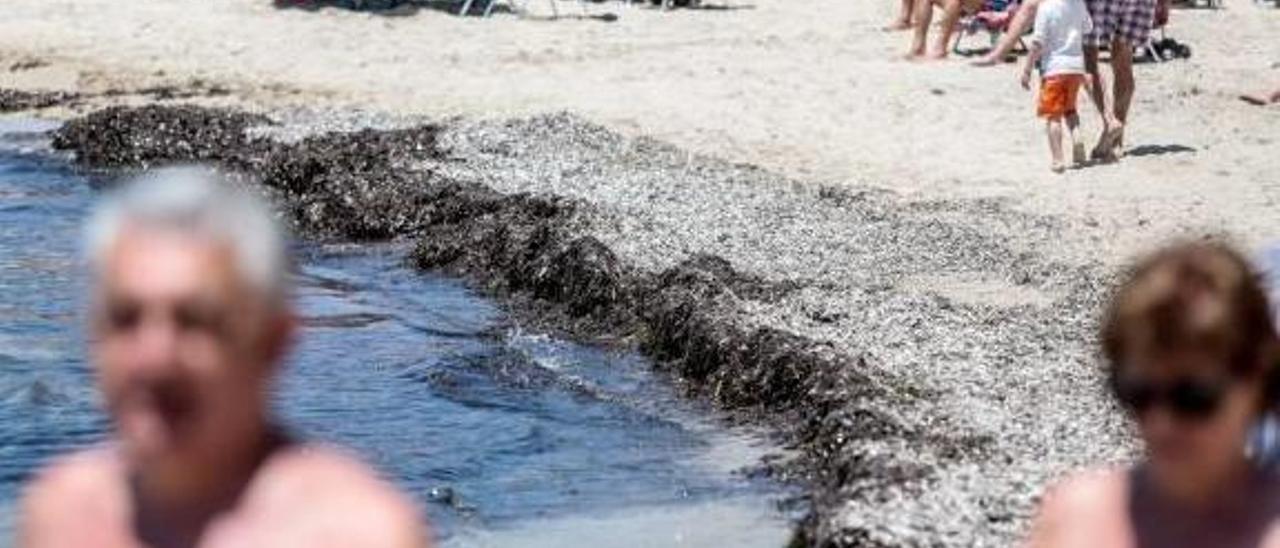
1164	49
1209	4
667	4
517	7
994	18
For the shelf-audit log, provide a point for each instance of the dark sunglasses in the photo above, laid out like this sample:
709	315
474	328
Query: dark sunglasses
1186	398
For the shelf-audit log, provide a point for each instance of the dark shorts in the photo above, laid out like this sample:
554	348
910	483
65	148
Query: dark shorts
1126	20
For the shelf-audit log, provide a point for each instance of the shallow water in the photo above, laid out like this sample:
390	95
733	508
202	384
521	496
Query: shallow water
507	438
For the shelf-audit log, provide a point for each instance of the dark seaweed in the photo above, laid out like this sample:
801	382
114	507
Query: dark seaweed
536	251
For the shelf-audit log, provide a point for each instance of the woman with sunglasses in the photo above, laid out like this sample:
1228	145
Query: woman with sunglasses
1191	351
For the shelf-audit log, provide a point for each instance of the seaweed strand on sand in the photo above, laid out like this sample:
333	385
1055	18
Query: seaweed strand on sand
538	252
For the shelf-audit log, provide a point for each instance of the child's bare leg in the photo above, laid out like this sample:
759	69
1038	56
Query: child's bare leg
923	14
1077	141
1054	130
1019	26
951	11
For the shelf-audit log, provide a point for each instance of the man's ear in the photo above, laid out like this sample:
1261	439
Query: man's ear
278	337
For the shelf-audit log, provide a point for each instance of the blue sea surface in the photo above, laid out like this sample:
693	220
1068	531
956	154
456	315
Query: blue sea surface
506	438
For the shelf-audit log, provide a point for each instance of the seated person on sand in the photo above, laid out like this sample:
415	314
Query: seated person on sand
189	323
1019	26
1192	357
1262	99
923	13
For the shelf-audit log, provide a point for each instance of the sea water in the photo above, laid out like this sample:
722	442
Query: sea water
505	437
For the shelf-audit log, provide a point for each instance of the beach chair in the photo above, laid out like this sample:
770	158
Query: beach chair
664	4
1164	49
994	18
517	7
1193	4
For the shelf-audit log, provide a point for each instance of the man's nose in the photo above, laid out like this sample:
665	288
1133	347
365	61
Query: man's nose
157	345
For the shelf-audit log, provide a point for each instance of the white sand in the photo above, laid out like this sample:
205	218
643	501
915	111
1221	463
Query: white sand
812	88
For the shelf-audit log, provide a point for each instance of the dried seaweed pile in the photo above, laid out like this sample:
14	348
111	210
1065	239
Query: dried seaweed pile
12	100
628	252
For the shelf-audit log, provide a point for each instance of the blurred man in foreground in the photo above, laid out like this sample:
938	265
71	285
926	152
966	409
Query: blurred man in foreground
190	321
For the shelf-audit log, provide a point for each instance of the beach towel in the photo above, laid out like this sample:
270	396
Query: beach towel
993	17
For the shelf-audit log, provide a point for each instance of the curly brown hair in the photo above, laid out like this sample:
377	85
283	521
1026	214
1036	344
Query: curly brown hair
1201	297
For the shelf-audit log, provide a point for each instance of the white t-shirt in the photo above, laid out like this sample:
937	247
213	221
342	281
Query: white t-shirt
1060	29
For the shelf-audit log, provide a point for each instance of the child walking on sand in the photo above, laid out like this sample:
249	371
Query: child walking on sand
1057	48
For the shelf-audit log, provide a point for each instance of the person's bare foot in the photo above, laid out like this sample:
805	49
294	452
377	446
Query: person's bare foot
937	55
1106	149
914	56
986	61
1058	168
1256	99
897	26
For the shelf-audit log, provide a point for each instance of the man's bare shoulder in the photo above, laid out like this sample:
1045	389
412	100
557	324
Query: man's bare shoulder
315	484
71	494
92	475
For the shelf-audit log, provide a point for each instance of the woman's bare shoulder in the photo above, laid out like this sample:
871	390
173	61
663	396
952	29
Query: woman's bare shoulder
1086	509
1088	491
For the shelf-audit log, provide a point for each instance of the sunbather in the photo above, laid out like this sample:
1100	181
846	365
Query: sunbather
1262	99
923	13
1022	22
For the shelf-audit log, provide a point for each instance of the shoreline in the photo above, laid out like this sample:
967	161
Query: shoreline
879	240
535	212
499	433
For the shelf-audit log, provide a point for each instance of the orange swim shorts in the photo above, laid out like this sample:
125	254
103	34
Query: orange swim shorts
1058	95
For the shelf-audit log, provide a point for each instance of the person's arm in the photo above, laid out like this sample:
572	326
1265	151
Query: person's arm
1039	34
1033	57
1162	12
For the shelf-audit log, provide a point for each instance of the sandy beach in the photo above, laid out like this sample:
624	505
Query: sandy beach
814	91
910	205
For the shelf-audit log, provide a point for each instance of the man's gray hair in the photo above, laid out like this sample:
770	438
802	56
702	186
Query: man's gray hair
203	203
